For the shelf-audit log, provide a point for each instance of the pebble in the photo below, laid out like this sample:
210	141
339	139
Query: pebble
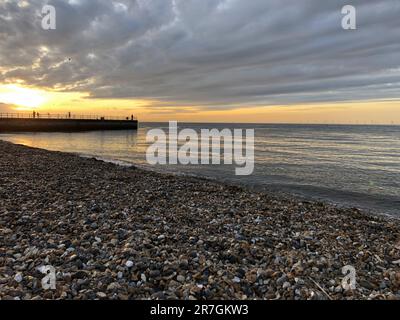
155	273
113	286
18	277
281	280
286	285
101	295
236	280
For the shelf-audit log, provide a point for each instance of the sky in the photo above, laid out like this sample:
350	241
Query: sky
203	60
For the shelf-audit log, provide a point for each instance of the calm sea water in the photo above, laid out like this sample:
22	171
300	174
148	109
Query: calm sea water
357	166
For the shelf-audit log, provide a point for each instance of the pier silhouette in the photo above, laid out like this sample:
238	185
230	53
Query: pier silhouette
63	122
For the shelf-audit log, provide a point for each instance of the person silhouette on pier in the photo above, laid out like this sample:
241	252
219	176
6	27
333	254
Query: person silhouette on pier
132	117
34	114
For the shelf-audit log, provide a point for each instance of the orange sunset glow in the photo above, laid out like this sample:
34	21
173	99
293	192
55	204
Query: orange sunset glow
25	99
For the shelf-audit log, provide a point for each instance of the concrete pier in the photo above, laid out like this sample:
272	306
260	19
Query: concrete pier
64	125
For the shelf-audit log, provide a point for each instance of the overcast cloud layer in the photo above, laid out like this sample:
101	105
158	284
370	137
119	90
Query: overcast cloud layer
211	53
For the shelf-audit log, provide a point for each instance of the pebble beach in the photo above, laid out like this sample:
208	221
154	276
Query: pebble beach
114	232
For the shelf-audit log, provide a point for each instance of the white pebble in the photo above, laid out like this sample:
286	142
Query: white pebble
18	277
129	264
286	285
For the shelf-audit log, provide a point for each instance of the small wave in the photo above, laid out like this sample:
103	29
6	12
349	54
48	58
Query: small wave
117	162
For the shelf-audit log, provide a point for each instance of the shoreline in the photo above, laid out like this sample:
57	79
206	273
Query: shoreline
187	237
271	190
381	202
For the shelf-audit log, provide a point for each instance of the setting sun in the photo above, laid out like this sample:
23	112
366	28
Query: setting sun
23	98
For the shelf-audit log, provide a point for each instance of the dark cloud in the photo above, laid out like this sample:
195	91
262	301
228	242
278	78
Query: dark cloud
210	53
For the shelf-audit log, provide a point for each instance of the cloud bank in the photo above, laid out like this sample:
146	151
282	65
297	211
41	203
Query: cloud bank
210	53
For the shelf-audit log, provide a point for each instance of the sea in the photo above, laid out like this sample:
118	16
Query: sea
355	166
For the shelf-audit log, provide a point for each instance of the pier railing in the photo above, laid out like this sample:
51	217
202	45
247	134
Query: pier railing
45	115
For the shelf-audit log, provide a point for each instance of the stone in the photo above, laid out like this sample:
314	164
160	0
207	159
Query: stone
236	280
286	285
129	264
113	286
154	273
18	277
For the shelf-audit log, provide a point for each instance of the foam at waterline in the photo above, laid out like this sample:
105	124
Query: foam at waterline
156	169
117	162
